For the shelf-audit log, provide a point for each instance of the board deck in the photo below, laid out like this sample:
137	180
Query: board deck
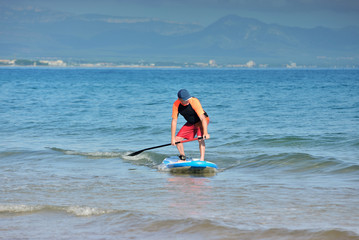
174	165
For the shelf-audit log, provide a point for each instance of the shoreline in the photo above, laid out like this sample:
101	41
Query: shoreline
178	67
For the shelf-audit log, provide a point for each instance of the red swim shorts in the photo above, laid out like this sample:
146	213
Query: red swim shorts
189	131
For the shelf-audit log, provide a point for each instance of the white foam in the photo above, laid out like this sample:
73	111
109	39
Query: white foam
102	154
97	154
74	210
163	168
85	211
21	208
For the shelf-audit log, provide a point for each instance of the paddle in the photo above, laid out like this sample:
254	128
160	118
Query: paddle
164	145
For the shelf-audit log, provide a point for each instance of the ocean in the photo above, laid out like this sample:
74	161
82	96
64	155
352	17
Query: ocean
286	143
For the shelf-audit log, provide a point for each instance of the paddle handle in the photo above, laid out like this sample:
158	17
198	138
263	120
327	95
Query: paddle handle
189	140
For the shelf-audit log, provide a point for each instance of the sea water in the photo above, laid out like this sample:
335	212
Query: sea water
286	143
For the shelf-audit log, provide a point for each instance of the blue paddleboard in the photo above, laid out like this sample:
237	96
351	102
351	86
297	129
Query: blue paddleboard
173	165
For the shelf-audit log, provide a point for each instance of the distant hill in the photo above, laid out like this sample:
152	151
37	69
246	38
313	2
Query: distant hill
31	33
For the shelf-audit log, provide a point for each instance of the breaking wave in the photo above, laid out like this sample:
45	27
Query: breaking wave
294	162
79	211
138	225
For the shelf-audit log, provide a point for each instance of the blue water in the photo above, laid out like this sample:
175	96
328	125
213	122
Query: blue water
286	143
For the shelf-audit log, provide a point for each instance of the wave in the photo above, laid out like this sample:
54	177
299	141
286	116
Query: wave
337	140
297	163
294	162
131	223
149	159
79	211
207	229
89	154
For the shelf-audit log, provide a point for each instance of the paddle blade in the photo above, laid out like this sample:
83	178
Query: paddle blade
135	153
138	152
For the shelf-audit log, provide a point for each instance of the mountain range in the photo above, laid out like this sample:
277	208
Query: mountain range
36	33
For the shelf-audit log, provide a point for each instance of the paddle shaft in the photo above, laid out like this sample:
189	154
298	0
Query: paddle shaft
164	145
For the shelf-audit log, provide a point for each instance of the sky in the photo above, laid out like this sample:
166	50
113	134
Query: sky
299	13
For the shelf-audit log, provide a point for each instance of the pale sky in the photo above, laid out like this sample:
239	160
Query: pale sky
301	13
